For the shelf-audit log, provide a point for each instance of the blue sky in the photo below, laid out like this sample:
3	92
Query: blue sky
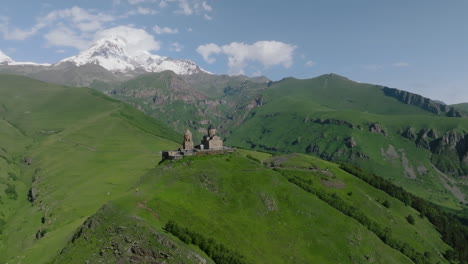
419	46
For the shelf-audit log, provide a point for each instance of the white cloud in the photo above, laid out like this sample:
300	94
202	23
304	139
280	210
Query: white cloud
64	36
310	63
75	17
207	50
176	46
268	53
142	11
137	39
184	8
165	30
78	16
207	7
207	17
400	64
17	33
60	51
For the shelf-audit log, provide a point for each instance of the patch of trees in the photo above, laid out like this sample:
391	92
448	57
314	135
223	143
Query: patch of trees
385	234
452	230
219	253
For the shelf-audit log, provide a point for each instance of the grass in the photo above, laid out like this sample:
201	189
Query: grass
86	149
256	211
293	120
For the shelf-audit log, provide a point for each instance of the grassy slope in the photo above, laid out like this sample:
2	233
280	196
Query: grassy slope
85	148
462	106
112	236
297	102
255	210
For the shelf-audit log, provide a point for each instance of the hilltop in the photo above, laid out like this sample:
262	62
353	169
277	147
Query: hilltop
258	213
337	119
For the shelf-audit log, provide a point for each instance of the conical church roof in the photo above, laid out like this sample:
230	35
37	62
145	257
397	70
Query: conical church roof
188	132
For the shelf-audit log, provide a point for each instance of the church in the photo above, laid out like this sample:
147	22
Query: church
211	144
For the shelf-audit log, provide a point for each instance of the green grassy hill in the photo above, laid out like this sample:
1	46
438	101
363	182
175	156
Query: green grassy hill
462	106
67	151
255	211
79	183
337	119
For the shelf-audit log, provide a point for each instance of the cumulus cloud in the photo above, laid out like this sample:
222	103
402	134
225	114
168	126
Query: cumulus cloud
137	39
77	18
15	33
64	36
184	7
268	53
142	11
81	18
165	30
207	50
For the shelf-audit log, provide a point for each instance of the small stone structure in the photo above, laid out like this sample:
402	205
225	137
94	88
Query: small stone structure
211	145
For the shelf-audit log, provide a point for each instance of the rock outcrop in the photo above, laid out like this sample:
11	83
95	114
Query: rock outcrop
423	102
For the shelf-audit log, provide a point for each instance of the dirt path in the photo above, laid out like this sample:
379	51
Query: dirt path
144	205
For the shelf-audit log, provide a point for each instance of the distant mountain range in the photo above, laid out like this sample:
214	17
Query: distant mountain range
114	55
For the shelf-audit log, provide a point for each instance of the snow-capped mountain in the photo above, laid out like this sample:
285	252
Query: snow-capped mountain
114	55
4	59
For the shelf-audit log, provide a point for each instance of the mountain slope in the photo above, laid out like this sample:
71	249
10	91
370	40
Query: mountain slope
257	212
462	106
65	152
4	59
338	119
190	101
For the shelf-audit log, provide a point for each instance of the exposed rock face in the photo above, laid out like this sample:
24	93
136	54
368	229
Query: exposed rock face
409	133
331	121
376	128
423	102
350	142
449	151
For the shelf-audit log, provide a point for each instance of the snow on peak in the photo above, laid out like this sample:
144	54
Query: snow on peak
4	59
114	55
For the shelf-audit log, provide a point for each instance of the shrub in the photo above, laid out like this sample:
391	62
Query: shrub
12	176
10	191
410	219
386	203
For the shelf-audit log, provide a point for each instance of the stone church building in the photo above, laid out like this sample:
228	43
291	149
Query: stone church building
211	144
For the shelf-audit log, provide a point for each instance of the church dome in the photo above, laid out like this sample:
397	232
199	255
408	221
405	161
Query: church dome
211	130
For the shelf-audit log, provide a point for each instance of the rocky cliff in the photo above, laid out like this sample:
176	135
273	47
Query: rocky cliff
423	102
